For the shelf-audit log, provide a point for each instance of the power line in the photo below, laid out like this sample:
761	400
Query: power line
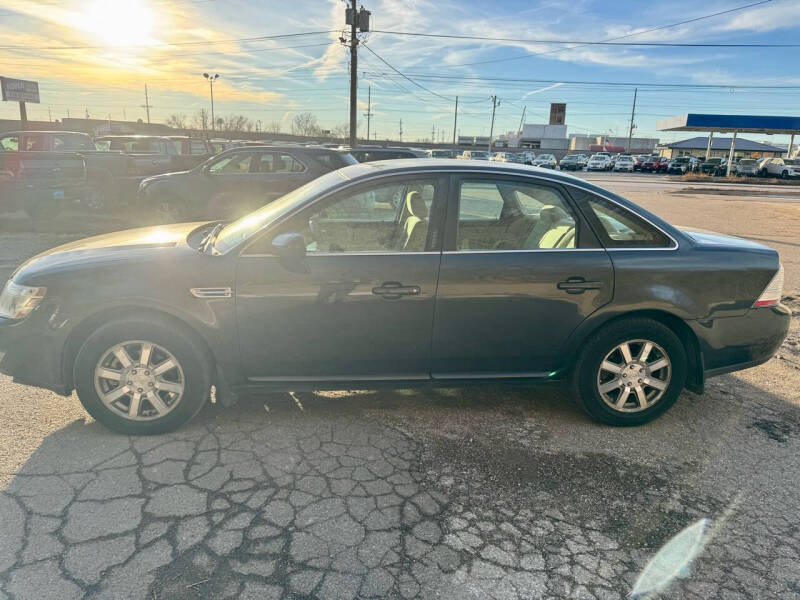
404	76
728	86
620	37
197	43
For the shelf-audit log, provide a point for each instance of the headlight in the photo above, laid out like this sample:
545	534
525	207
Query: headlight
17	301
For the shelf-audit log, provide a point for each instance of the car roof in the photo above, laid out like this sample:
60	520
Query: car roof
286	147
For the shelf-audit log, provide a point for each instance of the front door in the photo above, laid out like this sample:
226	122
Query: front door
520	271
231	185
363	306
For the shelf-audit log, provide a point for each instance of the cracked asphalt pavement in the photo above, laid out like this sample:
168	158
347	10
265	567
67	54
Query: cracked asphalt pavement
494	492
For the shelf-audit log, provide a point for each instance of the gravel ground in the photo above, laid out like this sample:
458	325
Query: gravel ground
463	493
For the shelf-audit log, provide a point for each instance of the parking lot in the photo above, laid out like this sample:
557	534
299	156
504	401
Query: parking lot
454	493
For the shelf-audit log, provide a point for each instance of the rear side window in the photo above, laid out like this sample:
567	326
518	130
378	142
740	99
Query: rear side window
197	147
620	228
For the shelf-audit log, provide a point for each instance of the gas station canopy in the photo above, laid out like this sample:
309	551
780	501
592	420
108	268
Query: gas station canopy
731	123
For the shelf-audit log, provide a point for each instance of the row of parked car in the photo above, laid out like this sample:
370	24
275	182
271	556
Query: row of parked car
164	179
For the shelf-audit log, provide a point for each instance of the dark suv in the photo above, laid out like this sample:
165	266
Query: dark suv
234	182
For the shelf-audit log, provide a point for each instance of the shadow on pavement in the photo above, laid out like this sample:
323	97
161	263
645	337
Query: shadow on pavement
469	493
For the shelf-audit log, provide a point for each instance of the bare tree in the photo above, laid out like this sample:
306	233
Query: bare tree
176	121
305	123
274	127
342	130
201	120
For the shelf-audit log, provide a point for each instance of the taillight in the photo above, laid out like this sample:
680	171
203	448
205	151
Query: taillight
771	296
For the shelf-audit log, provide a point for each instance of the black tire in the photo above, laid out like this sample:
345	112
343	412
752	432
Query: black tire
43	209
785	175
169	209
585	373
194	362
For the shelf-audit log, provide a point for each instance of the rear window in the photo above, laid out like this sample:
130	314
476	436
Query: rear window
335	160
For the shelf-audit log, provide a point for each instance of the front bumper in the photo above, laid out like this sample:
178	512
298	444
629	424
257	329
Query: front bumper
735	343
31	350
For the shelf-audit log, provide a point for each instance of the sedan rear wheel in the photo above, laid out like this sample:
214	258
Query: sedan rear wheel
630	372
142	375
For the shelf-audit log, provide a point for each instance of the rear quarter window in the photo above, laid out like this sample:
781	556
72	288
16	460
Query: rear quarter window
619	227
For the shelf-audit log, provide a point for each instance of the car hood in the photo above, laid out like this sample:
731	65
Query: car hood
109	247
703	237
166	176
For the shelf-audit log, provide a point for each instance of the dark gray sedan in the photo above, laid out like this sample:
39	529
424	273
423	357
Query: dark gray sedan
399	273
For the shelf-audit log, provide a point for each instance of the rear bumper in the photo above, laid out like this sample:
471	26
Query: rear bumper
736	343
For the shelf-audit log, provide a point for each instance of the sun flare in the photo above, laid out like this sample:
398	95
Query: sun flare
118	22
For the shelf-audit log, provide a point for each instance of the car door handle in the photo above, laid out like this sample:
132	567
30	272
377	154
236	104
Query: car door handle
393	290
578	285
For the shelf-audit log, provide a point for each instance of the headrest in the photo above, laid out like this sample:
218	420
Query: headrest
553	214
416	205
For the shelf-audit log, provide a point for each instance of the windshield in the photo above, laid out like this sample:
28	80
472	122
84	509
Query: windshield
747	161
791	161
236	232
714	161
682	159
475	154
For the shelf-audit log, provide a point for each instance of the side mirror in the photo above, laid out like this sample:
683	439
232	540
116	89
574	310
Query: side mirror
290	248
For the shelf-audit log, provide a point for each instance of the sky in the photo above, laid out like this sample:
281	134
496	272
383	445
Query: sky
95	57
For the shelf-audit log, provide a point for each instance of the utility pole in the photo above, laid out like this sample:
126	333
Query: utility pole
491	128
401	130
359	22
455	124
633	112
522	120
433	133
368	114
146	104
50	114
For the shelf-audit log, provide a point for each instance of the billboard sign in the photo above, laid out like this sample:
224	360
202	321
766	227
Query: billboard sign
19	90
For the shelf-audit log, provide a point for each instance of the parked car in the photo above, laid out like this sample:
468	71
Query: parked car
682	165
473	155
440	153
747	167
335	285
785	168
107	173
624	163
639	161
572	162
599	162
369	153
152	155
528	157
191	151
40	183
546	161
714	166
655	164
509	157
234	182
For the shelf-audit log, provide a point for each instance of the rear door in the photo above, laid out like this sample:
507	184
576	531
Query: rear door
520	271
277	173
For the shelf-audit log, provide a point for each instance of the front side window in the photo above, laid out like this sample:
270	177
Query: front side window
389	217
509	215
10	143
237	162
620	228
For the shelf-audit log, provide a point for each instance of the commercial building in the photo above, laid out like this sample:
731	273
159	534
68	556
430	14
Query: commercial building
583	142
720	148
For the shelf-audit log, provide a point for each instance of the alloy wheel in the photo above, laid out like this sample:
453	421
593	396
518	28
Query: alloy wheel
634	375
139	380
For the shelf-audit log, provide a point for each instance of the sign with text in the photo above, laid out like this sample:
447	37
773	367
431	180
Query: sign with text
19	90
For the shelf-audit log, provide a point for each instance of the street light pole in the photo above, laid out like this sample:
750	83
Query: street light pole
211	79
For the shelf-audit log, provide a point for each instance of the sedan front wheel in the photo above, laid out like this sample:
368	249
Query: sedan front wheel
140	376
630	372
